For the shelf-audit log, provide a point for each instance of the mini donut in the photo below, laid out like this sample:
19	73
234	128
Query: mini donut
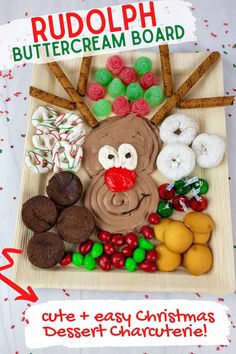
176	161
209	150
178	128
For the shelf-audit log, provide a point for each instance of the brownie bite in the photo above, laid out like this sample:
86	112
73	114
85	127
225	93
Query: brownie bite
45	250
39	213
64	188
75	224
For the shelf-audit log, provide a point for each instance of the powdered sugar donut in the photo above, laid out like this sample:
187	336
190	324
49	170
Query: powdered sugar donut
176	161
45	115
38	161
178	128
66	156
209	150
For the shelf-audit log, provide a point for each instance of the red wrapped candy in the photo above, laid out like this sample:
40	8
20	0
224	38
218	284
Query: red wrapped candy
127	251
115	64
180	203
131	240
148	80
165	192
96	91
66	260
109	249
118	260
121	106
198	203
147	232
128	75
151	256
85	247
117	240
154	218
140	107
147	266
104	262
104	236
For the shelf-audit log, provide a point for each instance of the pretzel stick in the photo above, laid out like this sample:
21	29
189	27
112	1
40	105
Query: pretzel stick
75	97
166	70
177	96
83	76
50	98
207	102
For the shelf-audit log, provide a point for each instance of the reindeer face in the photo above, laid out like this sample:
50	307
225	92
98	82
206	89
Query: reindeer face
119	155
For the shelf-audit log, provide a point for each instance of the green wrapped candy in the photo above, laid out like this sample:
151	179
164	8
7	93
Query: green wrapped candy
103	77
181	187
145	244
102	109
97	250
116	88
77	259
130	264
134	91
139	255
165	209
154	95
142	65
89	262
201	186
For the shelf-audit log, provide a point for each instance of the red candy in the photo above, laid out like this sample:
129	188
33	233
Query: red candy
180	203
147	232
119	179
131	240
127	251
128	75
148	80
164	193
117	240
140	107
115	64
104	236
151	256
146	266
104	262
198	205
154	218
66	260
121	106
109	249
85	247
118	260
96	91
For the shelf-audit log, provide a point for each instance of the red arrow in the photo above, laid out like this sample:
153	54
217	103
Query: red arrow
24	295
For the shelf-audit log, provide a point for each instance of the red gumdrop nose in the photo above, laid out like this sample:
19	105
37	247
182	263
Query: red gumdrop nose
119	179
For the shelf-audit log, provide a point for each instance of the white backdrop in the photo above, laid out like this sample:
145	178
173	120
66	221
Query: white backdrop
216	30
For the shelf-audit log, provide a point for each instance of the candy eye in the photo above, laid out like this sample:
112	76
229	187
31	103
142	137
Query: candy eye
108	157
128	156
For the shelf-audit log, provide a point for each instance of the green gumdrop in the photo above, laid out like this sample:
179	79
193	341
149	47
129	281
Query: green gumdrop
201	185
116	88
77	259
139	255
165	208
134	91
97	250
89	262
142	65
145	244
154	95
102	108
103	76
130	264
181	187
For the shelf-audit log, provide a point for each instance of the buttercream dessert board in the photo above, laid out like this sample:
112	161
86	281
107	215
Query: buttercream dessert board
125	183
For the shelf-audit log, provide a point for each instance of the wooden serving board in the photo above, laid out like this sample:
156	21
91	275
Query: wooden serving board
221	279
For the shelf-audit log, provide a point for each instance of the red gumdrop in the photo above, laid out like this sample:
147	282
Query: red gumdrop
147	232
148	80
128	75
148	267
164	193
104	262
140	107
154	218
151	256
109	249
127	251
121	106
86	246
119	179
104	236
117	240
131	240
115	64
66	259
96	91
198	205
118	260
180	203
